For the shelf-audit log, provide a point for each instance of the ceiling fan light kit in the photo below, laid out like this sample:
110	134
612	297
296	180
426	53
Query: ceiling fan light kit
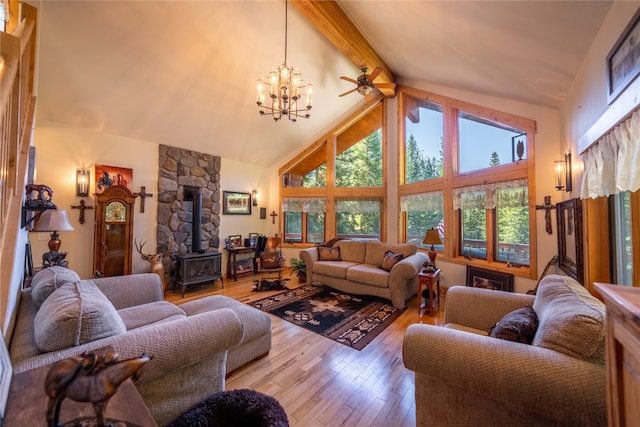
365	84
285	88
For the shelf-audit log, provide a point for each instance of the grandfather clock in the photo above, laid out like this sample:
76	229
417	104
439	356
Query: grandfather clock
113	232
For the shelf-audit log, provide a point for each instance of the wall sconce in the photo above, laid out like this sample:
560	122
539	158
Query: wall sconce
82	182
563	173
254	197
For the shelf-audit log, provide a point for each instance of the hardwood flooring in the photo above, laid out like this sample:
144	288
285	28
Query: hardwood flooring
320	382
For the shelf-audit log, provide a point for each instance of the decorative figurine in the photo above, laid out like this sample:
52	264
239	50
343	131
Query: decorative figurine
89	378
50	259
44	196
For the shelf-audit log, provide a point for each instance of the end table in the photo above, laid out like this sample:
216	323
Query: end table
428	281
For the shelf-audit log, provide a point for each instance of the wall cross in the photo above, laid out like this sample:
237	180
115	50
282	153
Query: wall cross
143	195
273	216
82	206
547	212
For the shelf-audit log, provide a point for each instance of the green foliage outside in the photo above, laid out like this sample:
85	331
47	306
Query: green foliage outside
419	166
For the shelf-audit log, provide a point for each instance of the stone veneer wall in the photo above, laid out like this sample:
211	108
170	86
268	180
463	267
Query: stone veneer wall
179	168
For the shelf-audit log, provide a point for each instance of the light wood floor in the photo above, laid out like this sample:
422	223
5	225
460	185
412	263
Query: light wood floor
320	382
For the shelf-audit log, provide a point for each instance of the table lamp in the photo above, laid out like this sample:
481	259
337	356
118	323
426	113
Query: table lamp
432	238
53	220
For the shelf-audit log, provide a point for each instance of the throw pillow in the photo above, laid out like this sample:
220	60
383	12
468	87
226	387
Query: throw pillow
390	259
329	254
519	325
74	314
47	280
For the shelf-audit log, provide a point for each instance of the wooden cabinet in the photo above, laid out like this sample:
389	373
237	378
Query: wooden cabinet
113	234
623	354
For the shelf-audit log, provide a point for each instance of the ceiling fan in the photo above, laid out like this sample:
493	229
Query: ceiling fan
365	82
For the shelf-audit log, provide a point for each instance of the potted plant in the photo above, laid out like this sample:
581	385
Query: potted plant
299	268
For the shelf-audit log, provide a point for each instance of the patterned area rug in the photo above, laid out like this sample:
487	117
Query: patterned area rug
352	320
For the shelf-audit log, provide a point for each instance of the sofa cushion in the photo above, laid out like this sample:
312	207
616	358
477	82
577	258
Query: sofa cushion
376	250
352	250
74	314
369	275
333	268
150	313
329	254
571	319
520	325
390	259
47	280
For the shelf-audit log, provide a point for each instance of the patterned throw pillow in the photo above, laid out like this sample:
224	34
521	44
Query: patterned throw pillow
520	325
390	259
329	254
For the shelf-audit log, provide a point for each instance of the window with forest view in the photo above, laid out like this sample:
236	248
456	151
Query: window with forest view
361	164
423	147
358	218
304	217
491	218
623	238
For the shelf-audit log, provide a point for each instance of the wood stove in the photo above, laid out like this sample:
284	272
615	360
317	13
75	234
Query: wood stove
198	268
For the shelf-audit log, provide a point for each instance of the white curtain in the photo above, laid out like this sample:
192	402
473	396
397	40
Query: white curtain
309	204
422	202
485	196
612	164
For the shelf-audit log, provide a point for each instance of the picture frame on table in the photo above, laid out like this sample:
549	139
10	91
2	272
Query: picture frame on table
253	239
236	203
489	279
623	61
235	241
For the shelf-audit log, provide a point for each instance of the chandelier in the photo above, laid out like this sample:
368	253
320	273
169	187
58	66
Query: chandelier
286	89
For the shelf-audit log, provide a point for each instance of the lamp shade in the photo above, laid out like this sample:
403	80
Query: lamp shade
53	220
432	237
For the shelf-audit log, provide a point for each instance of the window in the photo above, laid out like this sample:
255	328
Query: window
361	164
486	144
622	236
423	145
478	161
358	218
303	220
423	211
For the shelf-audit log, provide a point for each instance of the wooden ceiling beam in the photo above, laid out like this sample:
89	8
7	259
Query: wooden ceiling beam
329	18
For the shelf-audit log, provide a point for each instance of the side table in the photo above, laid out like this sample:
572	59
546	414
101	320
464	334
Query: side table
232	264
428	281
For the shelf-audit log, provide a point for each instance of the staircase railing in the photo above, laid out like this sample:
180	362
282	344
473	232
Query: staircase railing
17	110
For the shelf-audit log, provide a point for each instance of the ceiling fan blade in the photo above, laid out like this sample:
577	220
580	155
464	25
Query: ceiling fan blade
385	85
348	92
349	79
374	74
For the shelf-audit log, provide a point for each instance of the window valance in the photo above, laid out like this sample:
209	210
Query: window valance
487	196
310	204
612	164
432	201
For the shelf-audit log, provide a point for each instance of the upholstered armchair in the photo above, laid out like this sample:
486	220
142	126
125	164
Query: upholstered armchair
464	377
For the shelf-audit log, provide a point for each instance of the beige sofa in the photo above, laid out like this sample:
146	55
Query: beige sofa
193	344
471	379
358	270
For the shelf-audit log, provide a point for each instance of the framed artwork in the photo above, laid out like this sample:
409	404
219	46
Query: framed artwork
263	213
489	279
235	203
244	265
623	61
6	372
235	241
106	176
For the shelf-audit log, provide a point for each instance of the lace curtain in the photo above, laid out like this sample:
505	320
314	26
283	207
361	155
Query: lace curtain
422	202
310	204
612	164
487	196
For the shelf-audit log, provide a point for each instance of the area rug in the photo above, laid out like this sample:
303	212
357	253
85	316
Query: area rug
352	320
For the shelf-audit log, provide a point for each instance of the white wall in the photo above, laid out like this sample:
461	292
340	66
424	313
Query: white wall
60	151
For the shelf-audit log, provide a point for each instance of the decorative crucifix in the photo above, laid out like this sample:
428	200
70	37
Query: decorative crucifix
547	212
273	216
143	195
82	206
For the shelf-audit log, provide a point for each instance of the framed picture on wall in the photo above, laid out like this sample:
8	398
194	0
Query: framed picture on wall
106	176
623	61
236	203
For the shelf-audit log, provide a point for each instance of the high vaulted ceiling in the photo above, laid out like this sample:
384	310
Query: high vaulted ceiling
183	73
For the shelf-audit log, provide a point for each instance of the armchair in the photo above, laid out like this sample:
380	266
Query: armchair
469	379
